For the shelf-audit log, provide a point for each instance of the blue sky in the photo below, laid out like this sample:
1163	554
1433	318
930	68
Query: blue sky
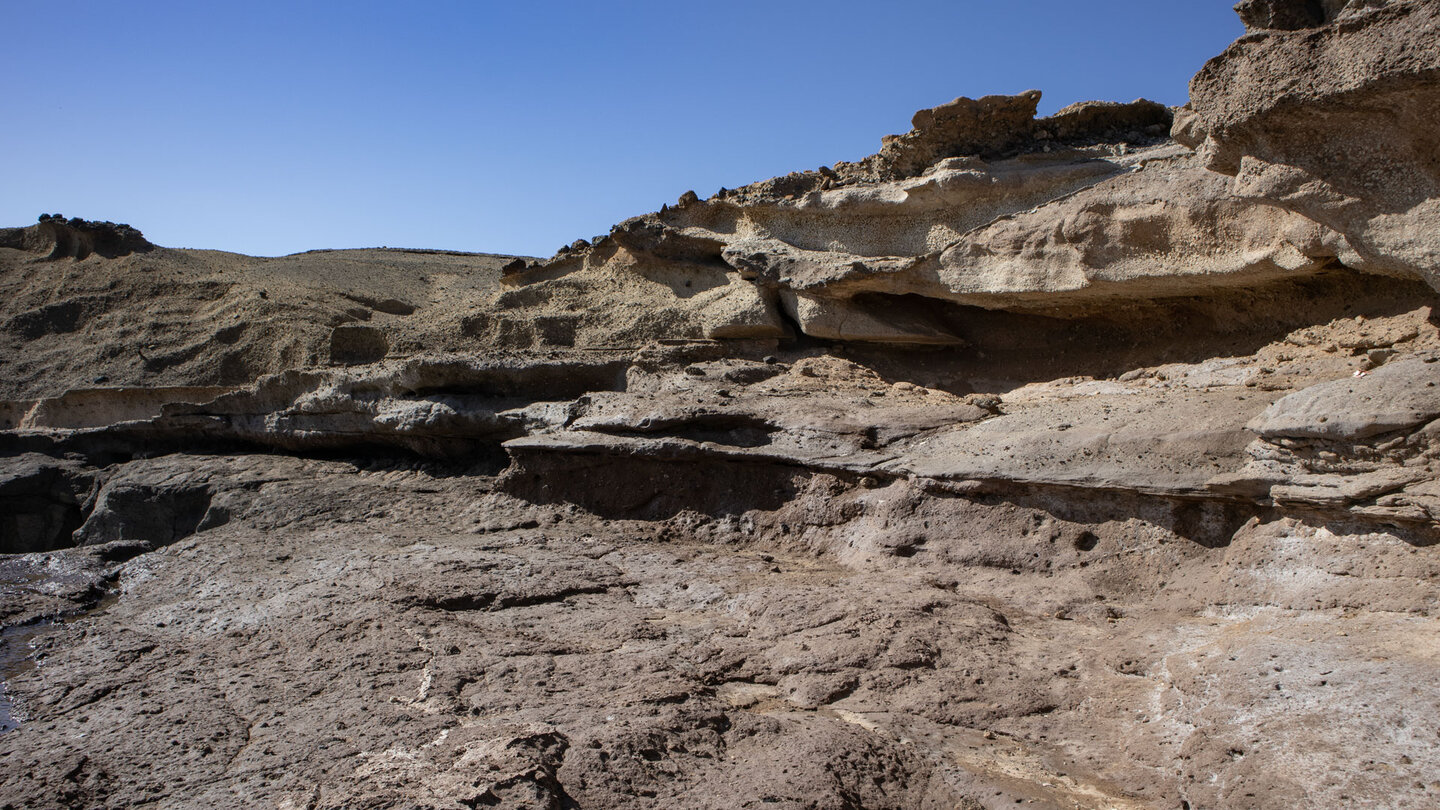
269	128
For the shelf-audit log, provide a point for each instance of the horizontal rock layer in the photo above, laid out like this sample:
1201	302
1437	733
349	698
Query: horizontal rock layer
1329	110
934	479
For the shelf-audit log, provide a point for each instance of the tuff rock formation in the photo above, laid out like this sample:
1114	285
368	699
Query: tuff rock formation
1054	462
58	238
980	205
1332	110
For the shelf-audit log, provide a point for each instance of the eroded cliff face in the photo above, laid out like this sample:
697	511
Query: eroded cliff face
1067	216
1330	110
1045	461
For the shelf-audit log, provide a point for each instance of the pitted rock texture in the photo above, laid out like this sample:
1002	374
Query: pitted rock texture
1330	110
390	635
1065	225
1026	462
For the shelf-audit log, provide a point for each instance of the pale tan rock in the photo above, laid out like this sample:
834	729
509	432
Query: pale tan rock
1397	396
739	310
608	533
1330	110
1060	225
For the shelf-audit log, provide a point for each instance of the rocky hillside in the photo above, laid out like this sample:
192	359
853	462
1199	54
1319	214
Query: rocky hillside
1086	461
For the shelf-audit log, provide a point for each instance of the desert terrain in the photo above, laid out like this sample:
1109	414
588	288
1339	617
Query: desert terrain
1080	461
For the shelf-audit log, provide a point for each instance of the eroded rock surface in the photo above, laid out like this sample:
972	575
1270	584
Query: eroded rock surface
397	635
1330	110
1039	462
55	237
166	318
1004	212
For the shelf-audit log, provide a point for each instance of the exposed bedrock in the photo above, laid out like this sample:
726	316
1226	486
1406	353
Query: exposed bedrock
1147	404
794	635
42	502
1051	225
56	238
1332	110
1364	444
1315	149
1027	461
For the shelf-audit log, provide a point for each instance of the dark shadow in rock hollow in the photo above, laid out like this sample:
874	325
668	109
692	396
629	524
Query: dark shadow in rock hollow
628	487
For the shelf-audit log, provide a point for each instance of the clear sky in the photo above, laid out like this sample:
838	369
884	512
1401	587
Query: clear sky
512	127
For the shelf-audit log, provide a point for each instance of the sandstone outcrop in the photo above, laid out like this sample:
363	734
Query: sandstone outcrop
55	237
1329	110
1047	462
981	205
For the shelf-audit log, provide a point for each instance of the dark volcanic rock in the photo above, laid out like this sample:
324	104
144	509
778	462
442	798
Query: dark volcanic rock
41	501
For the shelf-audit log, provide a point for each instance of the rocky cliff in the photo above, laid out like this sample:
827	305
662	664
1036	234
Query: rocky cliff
1058	461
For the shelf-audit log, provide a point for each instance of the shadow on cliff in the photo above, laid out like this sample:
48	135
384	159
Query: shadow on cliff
1010	349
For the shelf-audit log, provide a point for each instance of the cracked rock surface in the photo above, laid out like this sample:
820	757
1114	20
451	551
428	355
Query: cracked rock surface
1047	462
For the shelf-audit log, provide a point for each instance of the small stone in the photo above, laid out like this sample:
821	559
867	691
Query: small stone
988	402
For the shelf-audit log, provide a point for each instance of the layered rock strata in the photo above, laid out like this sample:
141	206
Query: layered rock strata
1041	461
1329	110
1014	214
